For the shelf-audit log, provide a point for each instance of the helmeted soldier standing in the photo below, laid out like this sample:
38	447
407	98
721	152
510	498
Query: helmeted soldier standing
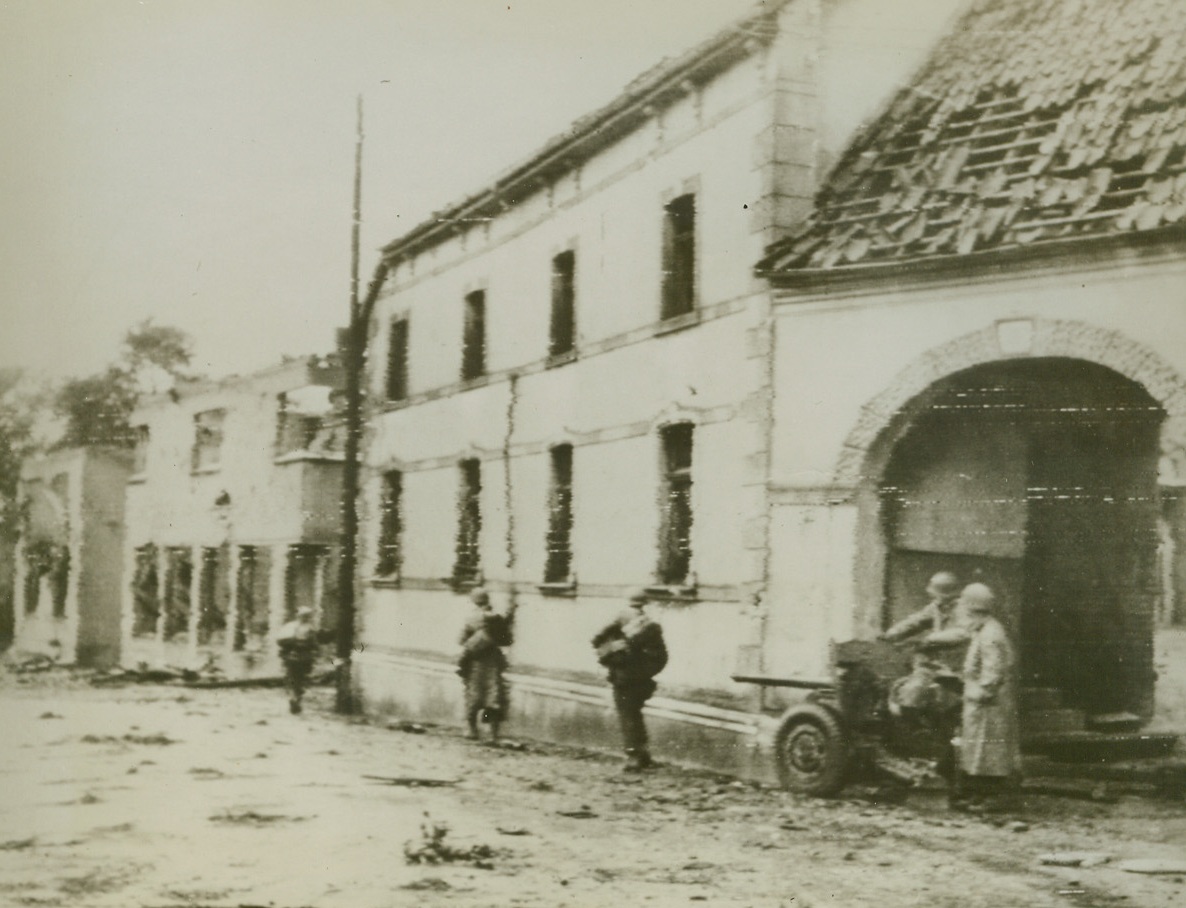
990	749
631	647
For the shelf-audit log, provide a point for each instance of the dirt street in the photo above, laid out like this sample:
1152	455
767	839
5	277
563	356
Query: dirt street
163	796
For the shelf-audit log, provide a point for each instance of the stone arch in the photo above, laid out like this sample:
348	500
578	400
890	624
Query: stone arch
1014	339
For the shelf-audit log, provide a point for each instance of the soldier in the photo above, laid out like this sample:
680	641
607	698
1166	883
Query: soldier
483	663
298	649
928	695
631	647
940	616
990	748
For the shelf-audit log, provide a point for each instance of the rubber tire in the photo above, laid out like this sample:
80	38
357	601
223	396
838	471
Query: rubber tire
811	751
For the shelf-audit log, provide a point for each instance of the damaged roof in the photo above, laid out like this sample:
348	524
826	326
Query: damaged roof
1033	121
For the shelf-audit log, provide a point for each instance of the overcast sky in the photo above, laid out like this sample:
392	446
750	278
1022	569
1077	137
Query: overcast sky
191	160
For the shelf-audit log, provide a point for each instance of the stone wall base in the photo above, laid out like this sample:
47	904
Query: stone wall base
567	712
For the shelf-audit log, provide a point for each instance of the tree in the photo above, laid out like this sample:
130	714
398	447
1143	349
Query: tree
153	358
20	406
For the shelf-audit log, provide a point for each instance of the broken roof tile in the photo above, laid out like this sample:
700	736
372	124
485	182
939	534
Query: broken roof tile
1032	121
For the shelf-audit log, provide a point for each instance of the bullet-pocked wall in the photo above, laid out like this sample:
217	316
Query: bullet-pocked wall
633	370
881	354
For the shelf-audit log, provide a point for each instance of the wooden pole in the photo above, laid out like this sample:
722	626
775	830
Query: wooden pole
354	356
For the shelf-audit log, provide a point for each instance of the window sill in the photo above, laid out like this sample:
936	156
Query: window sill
137	479
307	457
206	471
677	323
385	582
478	381
565	589
555	360
674	592
463	585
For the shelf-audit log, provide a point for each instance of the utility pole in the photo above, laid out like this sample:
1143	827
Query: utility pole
354	356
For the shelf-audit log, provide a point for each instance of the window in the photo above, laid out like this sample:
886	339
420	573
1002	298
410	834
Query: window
397	360
467	566
146	603
558	567
59	579
178	577
563	327
390	524
207	450
213	596
140	438
679	256
473	351
675	544
251	601
294	431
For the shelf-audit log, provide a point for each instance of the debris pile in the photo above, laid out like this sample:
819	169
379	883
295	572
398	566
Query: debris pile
432	848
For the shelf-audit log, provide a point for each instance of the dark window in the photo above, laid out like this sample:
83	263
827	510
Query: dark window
397	360
59	577
563	329
145	592
251	600
390	523
140	438
679	256
306	571
207	449
467	565
213	596
473	352
558	567
178	576
294	431
675	544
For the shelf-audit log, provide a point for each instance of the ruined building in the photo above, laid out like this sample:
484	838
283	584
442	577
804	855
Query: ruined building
797	319
67	599
232	517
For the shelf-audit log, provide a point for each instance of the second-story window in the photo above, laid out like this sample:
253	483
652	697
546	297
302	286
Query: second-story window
563	326
558	567
390	524
397	360
467	561
140	438
675	543
679	256
208	433
295	431
473	348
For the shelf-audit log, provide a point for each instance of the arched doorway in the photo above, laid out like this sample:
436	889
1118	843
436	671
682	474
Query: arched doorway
1039	477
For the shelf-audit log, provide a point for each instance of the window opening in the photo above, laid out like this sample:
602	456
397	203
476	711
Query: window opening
675	555
679	256
558	567
563	326
467	564
473	355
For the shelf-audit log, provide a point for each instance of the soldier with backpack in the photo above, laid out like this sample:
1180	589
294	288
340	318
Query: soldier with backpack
632	649
483	663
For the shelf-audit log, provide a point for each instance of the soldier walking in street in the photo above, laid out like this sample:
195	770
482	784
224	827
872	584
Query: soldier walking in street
297	641
631	647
